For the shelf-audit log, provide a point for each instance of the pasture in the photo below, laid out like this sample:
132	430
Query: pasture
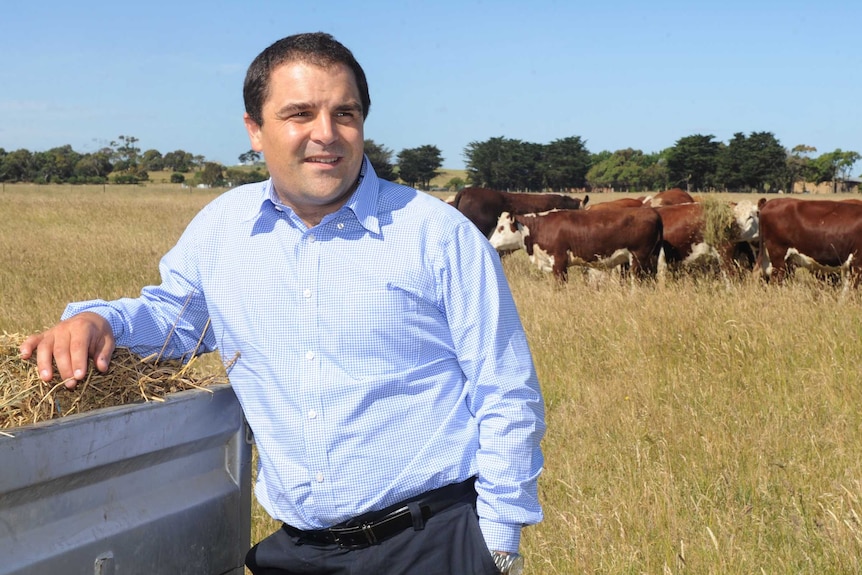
698	426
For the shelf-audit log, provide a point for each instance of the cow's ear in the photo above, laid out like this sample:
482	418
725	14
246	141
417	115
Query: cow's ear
760	203
585	201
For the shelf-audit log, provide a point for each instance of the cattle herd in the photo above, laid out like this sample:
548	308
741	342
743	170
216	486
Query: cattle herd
673	231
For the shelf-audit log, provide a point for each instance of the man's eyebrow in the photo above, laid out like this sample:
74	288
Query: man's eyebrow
293	107
353	106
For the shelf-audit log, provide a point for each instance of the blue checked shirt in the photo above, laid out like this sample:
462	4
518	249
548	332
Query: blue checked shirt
378	355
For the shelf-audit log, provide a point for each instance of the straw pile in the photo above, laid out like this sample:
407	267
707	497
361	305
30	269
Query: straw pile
26	399
718	221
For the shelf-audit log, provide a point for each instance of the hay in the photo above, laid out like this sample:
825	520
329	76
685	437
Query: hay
26	399
717	220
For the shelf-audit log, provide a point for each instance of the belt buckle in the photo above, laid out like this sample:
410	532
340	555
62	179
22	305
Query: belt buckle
369	533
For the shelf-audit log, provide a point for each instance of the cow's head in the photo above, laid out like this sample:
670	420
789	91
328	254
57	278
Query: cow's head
508	235
746	216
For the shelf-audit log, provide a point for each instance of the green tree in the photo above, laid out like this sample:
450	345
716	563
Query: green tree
240	176
834	166
212	174
18	166
418	166
126	152
526	170
625	170
845	162
822	168
691	162
250	157
381	160
602	172
729	164
565	163
799	165
93	168
127	161
765	167
599	157
55	165
757	163
494	163
655	175
178	161
152	161
481	161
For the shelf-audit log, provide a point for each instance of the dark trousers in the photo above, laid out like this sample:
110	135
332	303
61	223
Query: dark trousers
450	543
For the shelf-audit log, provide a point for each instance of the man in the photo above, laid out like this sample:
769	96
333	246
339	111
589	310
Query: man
375	346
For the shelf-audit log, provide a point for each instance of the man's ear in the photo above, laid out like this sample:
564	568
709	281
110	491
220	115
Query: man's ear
253	129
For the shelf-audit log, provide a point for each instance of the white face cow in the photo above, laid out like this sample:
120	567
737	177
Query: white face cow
508	235
747	217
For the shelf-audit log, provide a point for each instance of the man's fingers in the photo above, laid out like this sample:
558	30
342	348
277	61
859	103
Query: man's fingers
29	345
55	346
42	344
102	352
80	342
69	345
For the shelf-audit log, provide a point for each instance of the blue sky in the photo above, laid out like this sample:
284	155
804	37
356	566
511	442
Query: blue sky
617	73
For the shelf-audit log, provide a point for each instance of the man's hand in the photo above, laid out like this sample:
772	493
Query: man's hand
70	344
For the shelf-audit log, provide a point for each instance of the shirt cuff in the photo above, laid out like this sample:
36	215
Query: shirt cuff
501	536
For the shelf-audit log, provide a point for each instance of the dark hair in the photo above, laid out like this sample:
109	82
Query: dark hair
317	48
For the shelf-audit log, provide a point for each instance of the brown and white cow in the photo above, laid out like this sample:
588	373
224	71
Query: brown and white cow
555	241
670	197
618	203
823	236
483	206
684	244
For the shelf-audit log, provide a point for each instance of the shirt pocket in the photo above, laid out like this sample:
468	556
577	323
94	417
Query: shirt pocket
381	333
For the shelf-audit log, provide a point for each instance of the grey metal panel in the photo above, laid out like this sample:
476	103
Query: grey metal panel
153	488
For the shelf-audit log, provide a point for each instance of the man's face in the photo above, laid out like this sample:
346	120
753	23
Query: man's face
312	136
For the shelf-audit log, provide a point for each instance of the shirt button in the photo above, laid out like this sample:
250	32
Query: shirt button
340	225
309	355
312	414
307	293
319	477
311	238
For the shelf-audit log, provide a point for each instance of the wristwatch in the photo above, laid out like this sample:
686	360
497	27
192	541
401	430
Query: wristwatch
508	563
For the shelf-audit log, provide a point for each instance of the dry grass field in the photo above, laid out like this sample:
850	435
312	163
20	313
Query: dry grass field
699	427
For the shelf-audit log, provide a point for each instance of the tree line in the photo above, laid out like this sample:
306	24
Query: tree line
121	162
698	163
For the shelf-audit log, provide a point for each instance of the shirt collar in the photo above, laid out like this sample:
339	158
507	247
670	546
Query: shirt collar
363	201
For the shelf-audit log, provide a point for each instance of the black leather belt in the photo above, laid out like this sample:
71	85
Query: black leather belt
375	527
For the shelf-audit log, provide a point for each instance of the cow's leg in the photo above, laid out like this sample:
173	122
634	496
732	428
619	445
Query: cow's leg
777	269
561	266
